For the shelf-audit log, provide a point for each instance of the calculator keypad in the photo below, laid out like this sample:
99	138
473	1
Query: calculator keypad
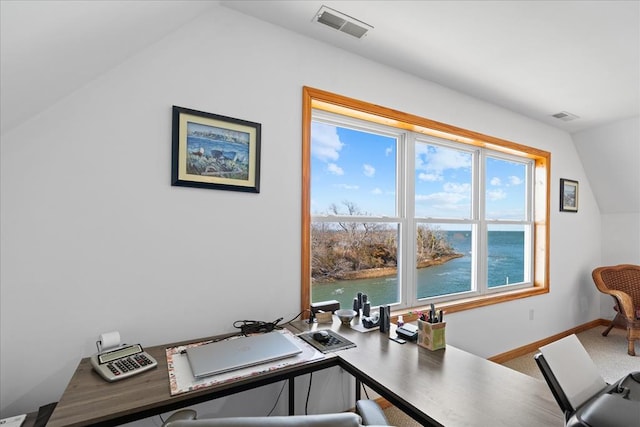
126	366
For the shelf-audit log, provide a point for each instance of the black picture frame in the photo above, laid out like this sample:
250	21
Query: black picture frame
214	152
568	195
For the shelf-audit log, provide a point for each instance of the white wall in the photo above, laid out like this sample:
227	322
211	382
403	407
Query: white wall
611	155
95	239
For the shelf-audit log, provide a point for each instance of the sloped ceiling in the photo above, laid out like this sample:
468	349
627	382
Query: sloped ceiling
532	57
50	49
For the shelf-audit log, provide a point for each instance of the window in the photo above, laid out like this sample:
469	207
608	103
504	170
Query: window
413	212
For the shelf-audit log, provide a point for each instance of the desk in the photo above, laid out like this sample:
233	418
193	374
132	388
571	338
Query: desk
450	387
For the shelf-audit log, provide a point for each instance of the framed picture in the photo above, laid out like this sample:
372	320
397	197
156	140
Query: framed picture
216	152
568	195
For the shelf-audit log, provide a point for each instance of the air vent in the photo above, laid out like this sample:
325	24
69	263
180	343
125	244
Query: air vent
341	22
565	116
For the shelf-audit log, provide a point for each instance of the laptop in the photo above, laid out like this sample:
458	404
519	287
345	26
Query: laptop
230	355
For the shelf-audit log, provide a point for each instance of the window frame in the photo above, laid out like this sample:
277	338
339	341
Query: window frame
315	99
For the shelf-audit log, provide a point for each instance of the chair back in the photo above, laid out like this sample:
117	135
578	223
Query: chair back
623	277
570	373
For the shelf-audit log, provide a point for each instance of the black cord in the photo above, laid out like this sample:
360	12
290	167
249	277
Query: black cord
279	394
306	404
256	326
260	326
365	391
297	315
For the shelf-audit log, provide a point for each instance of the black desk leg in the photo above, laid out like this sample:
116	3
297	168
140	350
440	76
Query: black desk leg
292	393
358	387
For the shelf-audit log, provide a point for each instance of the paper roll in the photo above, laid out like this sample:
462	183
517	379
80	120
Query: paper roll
109	340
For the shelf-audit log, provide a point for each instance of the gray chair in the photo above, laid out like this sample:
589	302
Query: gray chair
582	394
368	414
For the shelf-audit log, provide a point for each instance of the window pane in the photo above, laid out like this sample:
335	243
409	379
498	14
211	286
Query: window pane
351	257
352	166
444	259
506	255
505	196
443	182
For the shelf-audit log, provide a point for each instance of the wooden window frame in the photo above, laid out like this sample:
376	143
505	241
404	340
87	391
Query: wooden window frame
338	104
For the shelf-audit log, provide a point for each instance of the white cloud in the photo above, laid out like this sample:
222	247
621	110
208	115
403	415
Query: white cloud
376	191
429	177
388	151
442	197
514	180
325	142
498	194
495	181
452	187
368	170
335	169
347	187
434	160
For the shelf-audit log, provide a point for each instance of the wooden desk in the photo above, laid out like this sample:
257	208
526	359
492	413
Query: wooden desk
448	387
90	400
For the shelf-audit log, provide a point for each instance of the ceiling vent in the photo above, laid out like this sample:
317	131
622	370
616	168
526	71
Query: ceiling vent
565	116
341	22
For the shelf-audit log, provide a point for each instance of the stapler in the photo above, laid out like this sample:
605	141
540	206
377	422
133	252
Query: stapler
408	331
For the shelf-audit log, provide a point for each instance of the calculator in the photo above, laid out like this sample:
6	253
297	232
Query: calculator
123	362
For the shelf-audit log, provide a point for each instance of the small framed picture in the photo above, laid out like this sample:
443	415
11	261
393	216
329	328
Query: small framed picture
568	195
215	152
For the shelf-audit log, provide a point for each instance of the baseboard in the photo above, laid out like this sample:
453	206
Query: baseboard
383	403
526	349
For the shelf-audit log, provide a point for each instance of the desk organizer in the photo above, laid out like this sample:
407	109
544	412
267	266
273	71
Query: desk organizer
431	335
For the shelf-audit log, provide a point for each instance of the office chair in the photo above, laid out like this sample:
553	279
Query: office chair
582	394
622	282
368	414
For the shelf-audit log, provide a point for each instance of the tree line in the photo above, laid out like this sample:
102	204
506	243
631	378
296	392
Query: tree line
342	249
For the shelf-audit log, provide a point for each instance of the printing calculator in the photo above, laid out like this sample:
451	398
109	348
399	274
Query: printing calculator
123	362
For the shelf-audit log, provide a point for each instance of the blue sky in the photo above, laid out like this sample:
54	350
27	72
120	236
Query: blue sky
360	167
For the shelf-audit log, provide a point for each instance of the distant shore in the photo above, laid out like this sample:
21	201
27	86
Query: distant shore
373	273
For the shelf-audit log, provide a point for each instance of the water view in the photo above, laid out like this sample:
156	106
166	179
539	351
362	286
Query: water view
505	266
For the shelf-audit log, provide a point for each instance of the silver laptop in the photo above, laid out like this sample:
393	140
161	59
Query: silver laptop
230	355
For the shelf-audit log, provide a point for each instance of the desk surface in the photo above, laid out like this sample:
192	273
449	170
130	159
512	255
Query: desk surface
447	387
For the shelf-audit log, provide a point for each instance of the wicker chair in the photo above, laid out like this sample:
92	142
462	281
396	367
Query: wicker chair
622	282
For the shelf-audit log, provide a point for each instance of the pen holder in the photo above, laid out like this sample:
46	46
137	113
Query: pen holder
431	335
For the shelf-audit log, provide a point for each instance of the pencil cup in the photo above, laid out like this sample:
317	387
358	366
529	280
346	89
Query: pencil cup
431	335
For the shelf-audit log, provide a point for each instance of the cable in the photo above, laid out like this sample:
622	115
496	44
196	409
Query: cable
306	404
297	315
278	399
256	326
260	326
365	391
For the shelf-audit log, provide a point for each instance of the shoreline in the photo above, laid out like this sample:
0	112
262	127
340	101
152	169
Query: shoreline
373	273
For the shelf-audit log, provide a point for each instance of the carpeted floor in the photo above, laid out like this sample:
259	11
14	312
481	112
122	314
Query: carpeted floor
608	353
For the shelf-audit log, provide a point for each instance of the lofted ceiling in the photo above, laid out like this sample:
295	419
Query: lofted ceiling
537	58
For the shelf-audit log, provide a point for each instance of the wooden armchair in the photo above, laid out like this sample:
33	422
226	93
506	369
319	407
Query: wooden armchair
622	282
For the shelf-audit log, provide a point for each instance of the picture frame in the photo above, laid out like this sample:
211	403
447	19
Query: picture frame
214	152
568	195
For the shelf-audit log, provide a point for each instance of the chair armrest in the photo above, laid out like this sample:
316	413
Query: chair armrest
371	413
181	415
342	419
625	302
